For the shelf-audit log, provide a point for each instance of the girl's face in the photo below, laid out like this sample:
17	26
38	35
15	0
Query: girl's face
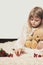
35	21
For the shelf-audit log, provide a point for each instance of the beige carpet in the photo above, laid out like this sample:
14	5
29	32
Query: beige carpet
25	59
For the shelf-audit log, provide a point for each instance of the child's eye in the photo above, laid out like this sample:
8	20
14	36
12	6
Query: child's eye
36	20
31	19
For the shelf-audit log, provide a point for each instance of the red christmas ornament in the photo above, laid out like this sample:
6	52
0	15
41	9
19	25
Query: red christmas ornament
35	55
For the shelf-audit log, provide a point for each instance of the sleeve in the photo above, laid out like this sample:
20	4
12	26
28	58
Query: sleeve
21	41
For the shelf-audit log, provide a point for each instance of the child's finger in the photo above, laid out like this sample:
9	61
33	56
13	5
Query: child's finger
15	51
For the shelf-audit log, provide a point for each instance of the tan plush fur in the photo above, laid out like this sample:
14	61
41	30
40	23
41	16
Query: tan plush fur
33	40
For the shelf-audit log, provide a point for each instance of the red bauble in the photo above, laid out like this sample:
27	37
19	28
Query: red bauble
35	55
39	55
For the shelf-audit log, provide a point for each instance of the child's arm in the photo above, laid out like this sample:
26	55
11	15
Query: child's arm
20	42
19	45
40	45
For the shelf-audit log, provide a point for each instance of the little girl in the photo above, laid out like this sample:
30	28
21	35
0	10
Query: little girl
35	20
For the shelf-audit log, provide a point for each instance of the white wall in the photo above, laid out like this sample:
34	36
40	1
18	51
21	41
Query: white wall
13	14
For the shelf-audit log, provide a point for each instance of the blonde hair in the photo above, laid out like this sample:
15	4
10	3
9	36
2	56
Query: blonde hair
36	11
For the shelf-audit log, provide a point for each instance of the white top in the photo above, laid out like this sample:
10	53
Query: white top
21	41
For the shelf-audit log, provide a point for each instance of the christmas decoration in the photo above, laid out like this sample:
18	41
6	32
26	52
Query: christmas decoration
38	55
3	53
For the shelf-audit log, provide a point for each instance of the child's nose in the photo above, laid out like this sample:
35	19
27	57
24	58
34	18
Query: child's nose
33	21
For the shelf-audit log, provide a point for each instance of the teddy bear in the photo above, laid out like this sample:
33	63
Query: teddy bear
31	44
38	35
34	39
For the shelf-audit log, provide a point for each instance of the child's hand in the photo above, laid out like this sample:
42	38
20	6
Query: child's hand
40	45
19	51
